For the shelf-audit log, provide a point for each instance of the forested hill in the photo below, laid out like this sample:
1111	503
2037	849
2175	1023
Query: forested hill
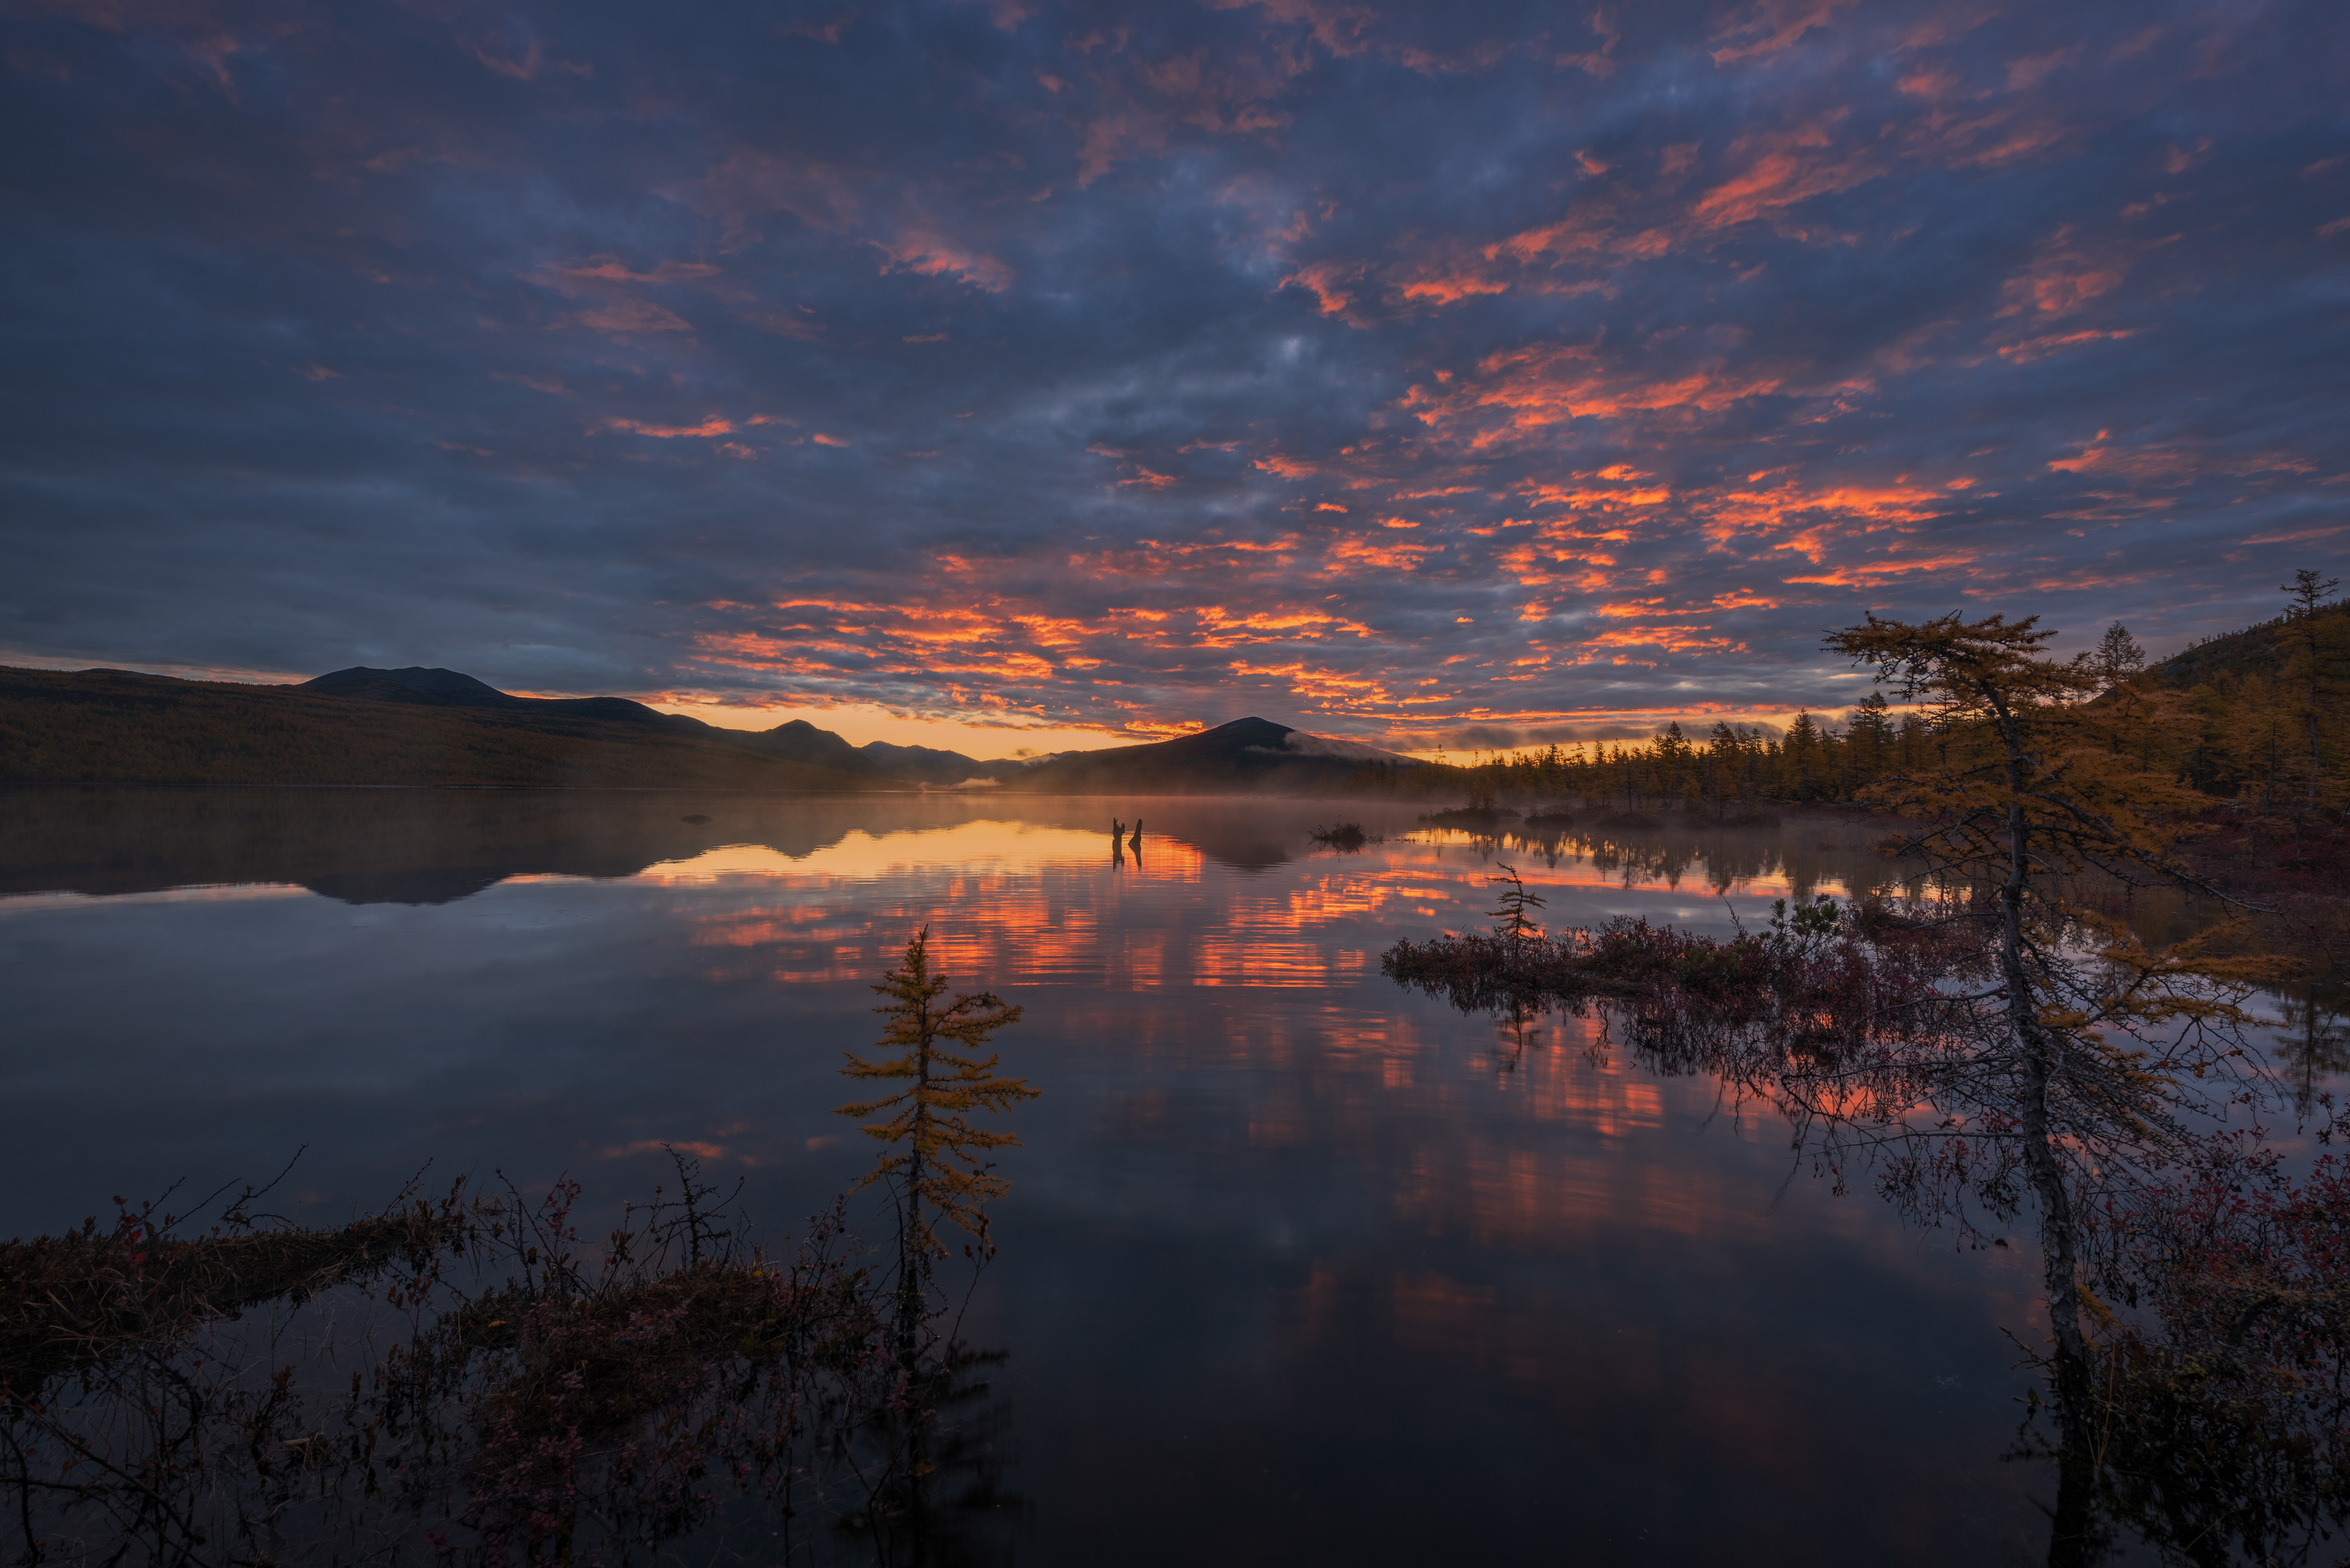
115	727
2263	651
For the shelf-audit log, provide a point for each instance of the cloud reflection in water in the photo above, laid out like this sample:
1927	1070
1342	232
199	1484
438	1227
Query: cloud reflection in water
1292	1262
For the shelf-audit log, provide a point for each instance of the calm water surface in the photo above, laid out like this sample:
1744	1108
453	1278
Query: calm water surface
1296	1266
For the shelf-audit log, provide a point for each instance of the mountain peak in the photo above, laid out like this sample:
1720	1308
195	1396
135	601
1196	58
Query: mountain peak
416	675
415	683
1240	754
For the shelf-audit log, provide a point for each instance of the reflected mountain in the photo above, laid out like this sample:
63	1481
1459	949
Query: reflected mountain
436	846
362	846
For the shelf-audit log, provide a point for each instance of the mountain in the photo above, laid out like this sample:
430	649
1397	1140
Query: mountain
449	689
795	741
421	725
1246	755
944	767
114	726
801	742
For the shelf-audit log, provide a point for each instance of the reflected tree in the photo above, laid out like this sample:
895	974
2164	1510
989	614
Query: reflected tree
1994	1045
939	1174
2316	1042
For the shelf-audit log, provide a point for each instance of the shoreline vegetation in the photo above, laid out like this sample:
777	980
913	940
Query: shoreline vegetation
1995	1042
2237	751
466	1380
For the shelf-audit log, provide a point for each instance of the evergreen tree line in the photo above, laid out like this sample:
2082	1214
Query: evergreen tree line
2269	730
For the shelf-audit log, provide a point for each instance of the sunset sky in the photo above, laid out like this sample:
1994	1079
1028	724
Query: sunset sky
1020	374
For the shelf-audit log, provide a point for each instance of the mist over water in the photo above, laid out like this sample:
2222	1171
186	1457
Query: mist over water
1294	1263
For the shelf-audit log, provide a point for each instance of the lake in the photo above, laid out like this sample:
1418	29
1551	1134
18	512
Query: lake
1296	1266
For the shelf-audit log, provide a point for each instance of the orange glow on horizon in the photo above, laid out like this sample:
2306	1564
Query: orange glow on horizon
861	722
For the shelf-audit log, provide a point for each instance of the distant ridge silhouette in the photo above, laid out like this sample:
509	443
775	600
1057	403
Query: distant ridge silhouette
796	741
413	684
424	725
1243	755
450	689
414	728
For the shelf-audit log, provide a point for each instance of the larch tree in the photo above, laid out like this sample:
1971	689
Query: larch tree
1514	921
2086	1043
2116	658
938	1168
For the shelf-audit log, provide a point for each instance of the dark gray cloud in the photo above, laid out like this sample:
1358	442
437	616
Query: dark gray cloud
1392	371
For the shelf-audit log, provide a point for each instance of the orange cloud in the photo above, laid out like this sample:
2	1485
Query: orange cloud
605	269
629	317
2063	279
1329	283
1770	25
1861	573
1398	555
2040	348
1534	389
713	426
1785	167
1452	289
925	252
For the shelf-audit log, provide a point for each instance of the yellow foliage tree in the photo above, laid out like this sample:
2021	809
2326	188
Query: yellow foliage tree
2096	1038
938	1167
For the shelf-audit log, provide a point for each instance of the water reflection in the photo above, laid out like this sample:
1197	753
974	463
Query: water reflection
1295	1265
432	847
2314	1043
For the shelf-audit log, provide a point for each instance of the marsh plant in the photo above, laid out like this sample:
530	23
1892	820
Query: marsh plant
465	1379
457	1379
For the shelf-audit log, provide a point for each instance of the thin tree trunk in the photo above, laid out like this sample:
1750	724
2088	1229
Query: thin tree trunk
2316	758
2042	1057
913	1251
2072	1535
